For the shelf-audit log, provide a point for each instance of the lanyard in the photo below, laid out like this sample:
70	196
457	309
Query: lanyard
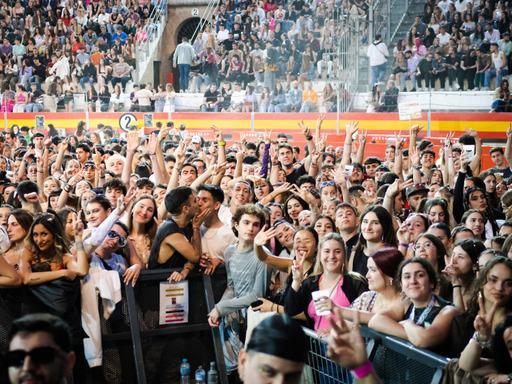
424	314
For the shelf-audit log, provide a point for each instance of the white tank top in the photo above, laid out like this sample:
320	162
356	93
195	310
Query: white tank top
497	60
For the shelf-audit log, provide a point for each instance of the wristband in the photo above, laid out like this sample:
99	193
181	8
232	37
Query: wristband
221	143
456	286
403	245
309	138
364	370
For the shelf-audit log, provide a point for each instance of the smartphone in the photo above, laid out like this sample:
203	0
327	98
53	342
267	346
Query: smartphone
256	303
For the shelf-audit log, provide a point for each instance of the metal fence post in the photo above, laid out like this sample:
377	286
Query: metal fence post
388	17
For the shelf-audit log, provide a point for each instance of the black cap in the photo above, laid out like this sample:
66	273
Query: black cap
279	336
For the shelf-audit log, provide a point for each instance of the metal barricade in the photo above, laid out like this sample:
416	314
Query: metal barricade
395	360
320	369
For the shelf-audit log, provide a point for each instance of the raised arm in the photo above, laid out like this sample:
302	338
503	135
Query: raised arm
476	163
132	144
162	135
350	129
81	264
262	238
508	146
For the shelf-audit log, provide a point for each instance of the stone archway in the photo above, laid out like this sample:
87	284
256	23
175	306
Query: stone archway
182	21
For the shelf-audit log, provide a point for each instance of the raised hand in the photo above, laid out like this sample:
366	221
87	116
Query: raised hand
124	202
351	128
264	235
403	234
151	145
416	129
483	321
163	134
306	131
96	157
398	186
78	229
297	270
346	345
132	139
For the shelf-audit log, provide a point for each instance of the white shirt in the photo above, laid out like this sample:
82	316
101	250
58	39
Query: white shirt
222	35
444	38
214	241
377	53
225	215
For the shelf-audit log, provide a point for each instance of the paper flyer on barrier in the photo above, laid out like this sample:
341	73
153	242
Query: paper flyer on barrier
173	303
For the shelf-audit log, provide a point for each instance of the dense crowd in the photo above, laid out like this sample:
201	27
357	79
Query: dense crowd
416	243
51	51
272	50
456	45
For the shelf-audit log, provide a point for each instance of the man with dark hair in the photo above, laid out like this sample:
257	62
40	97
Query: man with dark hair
277	348
371	164
114	189
178	239
188	174
215	235
83	153
498	158
40	350
144	186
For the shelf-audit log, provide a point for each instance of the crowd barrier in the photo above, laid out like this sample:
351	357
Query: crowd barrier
145	352
396	361
149	353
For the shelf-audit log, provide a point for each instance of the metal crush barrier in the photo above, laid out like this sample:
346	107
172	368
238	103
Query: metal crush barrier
395	361
138	350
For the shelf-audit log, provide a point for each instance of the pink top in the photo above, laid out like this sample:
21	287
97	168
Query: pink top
338	297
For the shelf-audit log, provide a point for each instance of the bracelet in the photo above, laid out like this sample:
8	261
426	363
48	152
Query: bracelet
484	344
364	370
403	245
457	286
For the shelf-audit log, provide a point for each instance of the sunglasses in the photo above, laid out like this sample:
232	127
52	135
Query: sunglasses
38	356
330	183
121	239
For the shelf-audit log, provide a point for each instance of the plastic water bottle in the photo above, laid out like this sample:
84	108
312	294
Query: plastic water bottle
184	372
213	375
200	375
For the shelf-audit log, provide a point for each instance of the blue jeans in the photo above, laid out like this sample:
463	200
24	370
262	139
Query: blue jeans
184	73
490	73
378	72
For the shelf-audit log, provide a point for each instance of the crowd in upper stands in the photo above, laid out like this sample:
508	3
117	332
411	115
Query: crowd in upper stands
81	55
52	50
417	241
457	45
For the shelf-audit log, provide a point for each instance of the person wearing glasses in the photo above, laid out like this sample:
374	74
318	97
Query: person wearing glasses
40	350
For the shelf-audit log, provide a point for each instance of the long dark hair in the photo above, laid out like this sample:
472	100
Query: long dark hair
502	358
473	306
53	224
150	227
385	220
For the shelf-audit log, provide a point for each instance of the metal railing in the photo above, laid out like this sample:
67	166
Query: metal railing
149	37
385	17
394	360
206	18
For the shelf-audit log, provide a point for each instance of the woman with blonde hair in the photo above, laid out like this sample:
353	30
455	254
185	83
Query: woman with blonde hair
330	284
